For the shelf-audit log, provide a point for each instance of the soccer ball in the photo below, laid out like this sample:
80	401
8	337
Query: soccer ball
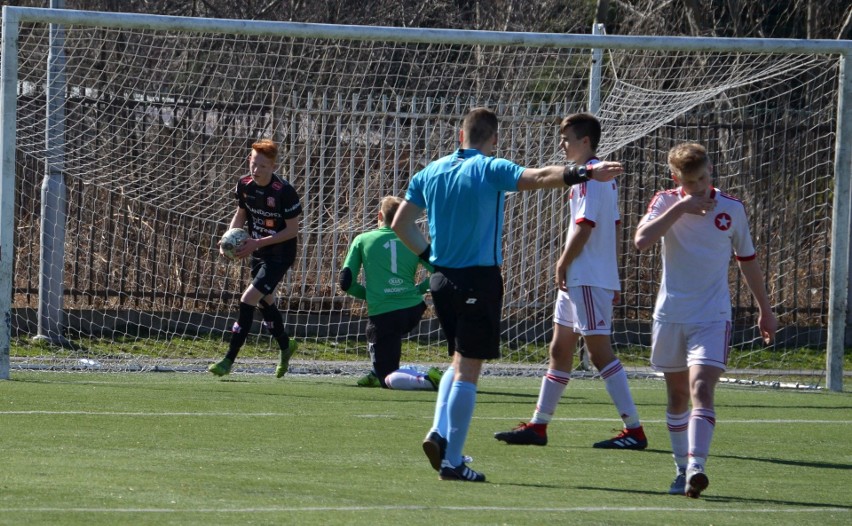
232	239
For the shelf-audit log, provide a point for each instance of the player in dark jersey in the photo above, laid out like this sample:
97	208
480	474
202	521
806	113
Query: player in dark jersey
269	206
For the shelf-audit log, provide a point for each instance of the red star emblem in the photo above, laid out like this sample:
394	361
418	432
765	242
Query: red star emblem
723	221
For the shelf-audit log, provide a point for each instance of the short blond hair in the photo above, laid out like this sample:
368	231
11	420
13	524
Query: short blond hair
267	148
389	205
688	159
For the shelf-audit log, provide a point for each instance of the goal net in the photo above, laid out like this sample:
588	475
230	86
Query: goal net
157	120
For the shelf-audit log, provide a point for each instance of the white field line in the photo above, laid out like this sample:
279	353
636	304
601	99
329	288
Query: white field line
378	416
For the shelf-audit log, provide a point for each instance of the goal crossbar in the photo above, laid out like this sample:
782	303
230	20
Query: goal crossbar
422	35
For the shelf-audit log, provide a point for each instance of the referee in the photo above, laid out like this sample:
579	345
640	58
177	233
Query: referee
463	195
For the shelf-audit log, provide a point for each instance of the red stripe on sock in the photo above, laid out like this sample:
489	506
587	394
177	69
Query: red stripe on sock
557	379
611	371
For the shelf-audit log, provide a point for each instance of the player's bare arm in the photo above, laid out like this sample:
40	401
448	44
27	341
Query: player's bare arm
766	321
560	176
579	238
405	226
239	219
288	232
651	231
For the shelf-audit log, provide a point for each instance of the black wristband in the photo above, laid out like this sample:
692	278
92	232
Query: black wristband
426	253
345	279
574	175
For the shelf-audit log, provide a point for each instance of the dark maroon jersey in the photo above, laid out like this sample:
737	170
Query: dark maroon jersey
268	209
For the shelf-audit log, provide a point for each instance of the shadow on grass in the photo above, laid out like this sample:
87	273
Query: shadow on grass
526	396
721	498
785	462
520	485
802	407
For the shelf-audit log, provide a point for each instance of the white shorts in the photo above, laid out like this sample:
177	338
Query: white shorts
588	310
678	346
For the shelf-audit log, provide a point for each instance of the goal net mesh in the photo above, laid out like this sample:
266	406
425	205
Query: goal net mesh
158	126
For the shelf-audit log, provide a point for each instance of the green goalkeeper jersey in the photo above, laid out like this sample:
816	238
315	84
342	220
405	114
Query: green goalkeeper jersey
390	271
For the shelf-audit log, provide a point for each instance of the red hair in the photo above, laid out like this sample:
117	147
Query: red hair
267	148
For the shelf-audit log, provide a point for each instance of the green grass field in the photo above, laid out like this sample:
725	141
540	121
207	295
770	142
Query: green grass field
171	448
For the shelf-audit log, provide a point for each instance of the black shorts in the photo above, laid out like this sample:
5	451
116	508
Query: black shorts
469	305
384	334
266	273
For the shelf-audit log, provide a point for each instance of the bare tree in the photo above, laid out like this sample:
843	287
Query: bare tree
697	19
847	25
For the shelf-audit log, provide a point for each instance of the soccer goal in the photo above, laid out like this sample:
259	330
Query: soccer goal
123	136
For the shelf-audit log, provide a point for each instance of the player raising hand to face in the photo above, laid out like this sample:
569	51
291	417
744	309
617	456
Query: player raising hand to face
699	227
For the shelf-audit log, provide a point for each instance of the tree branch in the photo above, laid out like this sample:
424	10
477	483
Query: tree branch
263	11
847	26
696	17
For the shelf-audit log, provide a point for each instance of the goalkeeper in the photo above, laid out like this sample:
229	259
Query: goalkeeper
394	301
270	207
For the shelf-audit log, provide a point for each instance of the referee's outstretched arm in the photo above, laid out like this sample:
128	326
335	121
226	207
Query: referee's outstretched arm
560	176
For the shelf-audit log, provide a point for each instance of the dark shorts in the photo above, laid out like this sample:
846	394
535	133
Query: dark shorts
385	333
266	273
469	305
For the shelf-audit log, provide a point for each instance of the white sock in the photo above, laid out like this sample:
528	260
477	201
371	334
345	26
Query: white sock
702	423
553	384
678	426
408	380
615	379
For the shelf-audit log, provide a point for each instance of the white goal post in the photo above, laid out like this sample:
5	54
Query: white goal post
140	126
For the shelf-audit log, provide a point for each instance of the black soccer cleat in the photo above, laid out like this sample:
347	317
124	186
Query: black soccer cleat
627	439
696	481
524	434
461	473
435	446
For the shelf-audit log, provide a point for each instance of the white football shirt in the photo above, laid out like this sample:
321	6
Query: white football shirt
696	254
596	203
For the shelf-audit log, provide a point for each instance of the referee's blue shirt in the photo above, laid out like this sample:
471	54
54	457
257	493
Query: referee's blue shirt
463	195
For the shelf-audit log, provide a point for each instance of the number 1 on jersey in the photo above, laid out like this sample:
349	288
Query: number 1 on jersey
392	246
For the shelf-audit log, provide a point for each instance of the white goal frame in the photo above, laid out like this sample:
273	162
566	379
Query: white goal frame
839	297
